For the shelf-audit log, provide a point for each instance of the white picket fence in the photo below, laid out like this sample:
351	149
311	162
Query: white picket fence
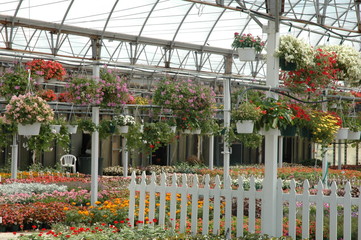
149	200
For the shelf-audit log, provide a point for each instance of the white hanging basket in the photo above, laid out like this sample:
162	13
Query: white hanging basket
123	129
173	129
353	135
245	126
342	134
246	54
270	131
29	129
72	129
55	128
40	79
196	131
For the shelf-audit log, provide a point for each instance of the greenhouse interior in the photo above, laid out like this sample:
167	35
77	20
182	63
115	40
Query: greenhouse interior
192	119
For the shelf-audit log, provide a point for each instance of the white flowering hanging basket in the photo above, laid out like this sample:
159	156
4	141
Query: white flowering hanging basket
245	126
29	129
246	54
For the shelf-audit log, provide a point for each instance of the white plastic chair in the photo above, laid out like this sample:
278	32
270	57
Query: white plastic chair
68	161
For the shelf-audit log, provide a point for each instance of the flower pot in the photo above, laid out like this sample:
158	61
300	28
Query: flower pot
112	129
245	126
123	129
72	128
287	66
289	131
29	129
341	134
173	129
270	131
353	135
52	80
39	79
246	54
55	128
196	131
305	133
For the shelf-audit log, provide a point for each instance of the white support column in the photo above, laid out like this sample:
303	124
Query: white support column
95	147
125	153
211	152
125	157
14	157
280	151
227	121
271	139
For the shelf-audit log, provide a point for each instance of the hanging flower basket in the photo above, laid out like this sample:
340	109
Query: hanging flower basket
55	128
29	129
353	135
342	134
72	129
246	54
287	66
289	131
123	129
194	131
245	126
271	131
305	133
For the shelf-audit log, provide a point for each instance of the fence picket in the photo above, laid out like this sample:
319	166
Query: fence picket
132	189
217	207
151	189
333	211
206	200
279	208
252	206
173	200
319	211
143	186
306	210
162	196
227	193
183	215
240	205
194	217
292	210
347	212
359	215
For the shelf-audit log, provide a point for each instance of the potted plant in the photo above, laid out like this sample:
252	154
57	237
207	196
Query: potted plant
324	126
114	89
301	119
314	78
46	69
107	127
87	126
294	53
276	114
123	122
47	94
247	46
28	111
156	135
14	82
190	102
348	61
83	91
245	115
354	127
56	124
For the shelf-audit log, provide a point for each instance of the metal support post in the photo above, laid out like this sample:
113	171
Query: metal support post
211	152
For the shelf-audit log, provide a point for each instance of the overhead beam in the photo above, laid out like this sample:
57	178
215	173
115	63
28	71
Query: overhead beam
85	32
